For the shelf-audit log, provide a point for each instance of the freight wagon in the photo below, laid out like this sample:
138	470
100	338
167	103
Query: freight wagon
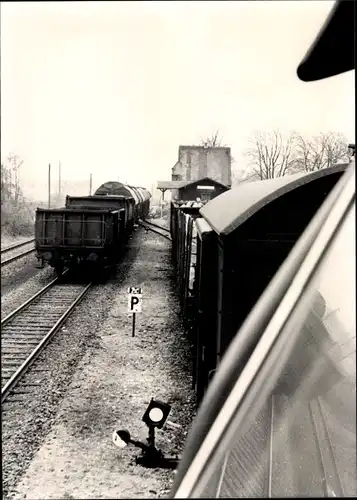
243	236
140	196
279	416
67	237
91	229
105	202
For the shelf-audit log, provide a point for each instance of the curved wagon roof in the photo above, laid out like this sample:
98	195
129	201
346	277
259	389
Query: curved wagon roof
144	192
113	188
227	212
138	193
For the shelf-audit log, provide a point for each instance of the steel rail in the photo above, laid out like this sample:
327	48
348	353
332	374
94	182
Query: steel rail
19	373
17	245
16	257
148	228
156	225
29	301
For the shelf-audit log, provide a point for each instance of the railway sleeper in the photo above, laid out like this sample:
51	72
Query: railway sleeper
23	390
14	337
22	337
19	353
9	363
14	331
19	344
16	398
22	344
18	330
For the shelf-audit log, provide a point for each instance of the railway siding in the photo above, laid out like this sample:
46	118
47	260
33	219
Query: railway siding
26	331
16	251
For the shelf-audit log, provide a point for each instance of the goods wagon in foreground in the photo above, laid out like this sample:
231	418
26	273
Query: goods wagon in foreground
279	417
226	252
67	237
243	237
91	229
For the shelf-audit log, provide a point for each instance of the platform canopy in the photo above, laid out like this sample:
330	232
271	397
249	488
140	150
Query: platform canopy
171	184
182	184
227	212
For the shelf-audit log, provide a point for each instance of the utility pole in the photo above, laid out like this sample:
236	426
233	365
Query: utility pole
59	180
90	185
49	185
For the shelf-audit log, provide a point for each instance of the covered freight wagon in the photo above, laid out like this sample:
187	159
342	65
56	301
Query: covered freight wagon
244	235
68	237
140	195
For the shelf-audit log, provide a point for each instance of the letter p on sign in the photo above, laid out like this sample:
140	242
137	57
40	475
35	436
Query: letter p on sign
134	299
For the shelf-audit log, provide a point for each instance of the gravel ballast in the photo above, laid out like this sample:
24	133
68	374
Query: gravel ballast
20	280
101	380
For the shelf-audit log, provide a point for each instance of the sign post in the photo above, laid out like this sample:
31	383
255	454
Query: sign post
49	185
135	299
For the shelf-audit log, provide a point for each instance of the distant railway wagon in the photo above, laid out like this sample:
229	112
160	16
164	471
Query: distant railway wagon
243	236
90	229
140	195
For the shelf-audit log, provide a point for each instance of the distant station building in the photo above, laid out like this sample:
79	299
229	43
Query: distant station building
200	172
199	162
205	189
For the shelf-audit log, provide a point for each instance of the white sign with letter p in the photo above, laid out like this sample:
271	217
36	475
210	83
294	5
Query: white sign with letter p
135	299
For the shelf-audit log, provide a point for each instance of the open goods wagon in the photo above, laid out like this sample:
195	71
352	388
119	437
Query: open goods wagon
105	202
90	229
68	237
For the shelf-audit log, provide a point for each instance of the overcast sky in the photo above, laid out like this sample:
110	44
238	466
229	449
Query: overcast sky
113	88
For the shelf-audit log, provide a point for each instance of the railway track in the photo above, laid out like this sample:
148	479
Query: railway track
27	330
149	226
16	251
157	226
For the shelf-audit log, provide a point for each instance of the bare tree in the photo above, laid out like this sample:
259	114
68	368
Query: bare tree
212	141
321	151
271	155
215	141
16	212
14	163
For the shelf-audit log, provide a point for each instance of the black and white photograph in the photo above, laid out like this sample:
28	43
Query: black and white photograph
178	249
